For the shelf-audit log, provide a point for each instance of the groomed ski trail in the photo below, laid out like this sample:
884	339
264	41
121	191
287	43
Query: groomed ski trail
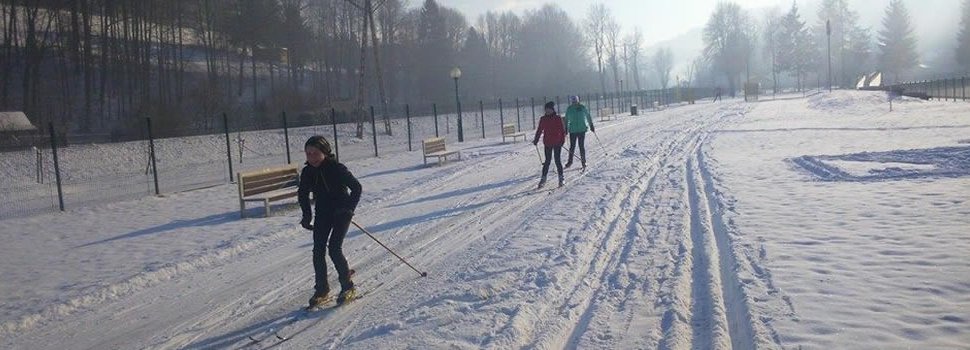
465	225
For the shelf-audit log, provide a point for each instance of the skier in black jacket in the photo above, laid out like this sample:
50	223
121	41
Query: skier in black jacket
329	181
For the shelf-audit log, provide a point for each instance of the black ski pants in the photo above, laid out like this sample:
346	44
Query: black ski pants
329	232
550	152
573	139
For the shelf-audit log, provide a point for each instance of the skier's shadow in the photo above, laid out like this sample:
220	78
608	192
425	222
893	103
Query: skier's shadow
393	171
454	211
240	337
211	220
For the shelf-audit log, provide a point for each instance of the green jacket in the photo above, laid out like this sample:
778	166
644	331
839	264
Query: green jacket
577	117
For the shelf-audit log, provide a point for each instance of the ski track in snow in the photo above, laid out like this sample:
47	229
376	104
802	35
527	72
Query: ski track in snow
642	250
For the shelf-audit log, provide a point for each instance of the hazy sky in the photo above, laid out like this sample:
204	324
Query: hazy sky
665	19
659	20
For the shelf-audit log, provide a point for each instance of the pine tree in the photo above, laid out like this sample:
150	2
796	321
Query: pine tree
963	39
794	46
897	41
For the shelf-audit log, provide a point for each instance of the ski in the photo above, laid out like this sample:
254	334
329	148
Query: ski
281	336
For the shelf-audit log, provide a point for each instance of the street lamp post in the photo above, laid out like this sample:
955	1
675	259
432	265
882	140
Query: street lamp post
828	34
456	74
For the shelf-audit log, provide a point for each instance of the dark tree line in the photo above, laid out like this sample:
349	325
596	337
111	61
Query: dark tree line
102	66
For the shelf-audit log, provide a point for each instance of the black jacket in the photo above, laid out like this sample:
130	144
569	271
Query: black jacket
330	184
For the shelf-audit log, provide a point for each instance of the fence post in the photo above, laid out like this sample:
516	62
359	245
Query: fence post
286	139
518	114
963	84
57	167
953	89
373	128
336	145
225	126
407	113
39	165
501	115
939	95
481	113
151	148
533	99
597	106
434	109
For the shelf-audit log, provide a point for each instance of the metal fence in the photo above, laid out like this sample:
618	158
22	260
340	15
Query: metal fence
51	170
945	89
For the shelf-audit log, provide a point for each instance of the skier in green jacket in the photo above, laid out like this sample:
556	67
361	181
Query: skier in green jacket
578	121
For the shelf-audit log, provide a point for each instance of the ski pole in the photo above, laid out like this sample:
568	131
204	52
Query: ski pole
600	143
423	274
539	154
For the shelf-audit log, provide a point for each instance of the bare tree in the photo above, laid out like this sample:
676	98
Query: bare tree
635	44
663	63
612	30
595	25
772	22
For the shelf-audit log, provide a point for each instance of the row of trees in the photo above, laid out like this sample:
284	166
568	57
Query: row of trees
790	46
97	65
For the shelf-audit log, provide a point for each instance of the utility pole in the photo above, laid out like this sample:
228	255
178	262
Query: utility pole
828	32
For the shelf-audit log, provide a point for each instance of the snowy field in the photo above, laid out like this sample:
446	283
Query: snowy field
814	223
122	171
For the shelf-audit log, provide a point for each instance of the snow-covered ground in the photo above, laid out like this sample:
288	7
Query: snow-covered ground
820	222
122	170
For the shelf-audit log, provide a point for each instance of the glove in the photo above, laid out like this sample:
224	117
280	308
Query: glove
591	128
305	222
535	143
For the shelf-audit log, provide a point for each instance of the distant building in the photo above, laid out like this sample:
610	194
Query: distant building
16	130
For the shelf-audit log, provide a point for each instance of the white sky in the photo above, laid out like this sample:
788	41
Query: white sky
662	20
658	19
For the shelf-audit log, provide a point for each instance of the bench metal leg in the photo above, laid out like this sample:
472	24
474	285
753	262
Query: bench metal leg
242	208
267	207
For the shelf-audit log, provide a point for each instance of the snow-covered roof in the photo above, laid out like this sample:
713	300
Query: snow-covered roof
15	121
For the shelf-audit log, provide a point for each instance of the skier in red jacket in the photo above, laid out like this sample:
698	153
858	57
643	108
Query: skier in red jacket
553	130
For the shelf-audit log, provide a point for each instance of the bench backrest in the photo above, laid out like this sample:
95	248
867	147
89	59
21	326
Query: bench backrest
433	145
262	181
508	129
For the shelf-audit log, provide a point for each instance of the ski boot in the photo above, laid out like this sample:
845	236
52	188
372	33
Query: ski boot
562	181
568	164
542	182
319	298
347	296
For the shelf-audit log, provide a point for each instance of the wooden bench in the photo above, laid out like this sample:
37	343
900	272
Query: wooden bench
268	185
508	131
435	148
606	114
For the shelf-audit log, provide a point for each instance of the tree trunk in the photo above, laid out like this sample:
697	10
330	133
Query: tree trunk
361	91
375	47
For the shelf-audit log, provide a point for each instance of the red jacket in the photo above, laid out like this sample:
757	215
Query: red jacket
553	129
